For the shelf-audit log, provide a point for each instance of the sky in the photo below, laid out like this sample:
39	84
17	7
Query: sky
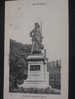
20	16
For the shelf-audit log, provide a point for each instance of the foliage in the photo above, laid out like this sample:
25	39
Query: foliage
17	63
54	69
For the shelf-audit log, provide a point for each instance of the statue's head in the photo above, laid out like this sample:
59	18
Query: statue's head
37	25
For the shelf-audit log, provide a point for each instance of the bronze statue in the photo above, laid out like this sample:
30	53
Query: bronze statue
36	39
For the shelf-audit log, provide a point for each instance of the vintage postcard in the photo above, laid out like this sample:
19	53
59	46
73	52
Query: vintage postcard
36	49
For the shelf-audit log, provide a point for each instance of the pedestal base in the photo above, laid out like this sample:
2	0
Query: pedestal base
35	84
38	76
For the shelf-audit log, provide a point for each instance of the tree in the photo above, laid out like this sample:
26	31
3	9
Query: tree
17	63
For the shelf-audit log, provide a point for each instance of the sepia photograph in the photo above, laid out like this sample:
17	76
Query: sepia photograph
36	49
30	71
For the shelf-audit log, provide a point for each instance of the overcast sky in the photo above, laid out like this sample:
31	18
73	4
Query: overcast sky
21	15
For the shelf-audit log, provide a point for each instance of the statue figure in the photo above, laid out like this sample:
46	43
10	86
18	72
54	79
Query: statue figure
36	39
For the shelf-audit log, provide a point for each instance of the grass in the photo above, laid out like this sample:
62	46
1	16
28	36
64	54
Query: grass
37	90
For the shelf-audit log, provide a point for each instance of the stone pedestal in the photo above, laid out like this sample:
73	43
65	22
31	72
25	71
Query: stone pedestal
38	77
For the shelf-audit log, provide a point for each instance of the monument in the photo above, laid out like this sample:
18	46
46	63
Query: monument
38	76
